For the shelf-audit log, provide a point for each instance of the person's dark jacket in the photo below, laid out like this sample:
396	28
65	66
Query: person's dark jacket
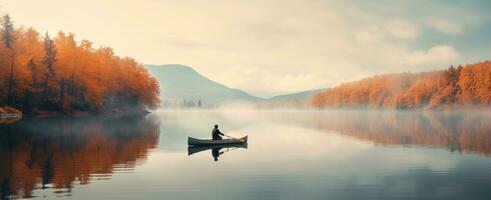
216	134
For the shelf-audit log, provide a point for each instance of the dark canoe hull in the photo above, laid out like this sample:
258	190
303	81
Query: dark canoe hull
198	142
199	148
8	115
7	118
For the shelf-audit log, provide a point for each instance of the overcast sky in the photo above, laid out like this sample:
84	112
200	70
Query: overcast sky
274	47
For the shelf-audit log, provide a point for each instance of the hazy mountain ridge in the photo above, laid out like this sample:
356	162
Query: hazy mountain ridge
180	82
298	95
183	86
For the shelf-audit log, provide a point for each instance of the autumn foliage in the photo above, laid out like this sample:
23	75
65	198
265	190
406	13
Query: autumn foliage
468	86
62	74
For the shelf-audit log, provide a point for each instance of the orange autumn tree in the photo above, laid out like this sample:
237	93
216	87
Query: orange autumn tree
62	74
468	86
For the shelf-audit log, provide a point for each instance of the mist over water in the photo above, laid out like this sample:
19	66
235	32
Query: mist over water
290	155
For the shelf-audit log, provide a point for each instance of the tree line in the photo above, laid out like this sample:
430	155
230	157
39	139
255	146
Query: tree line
45	73
463	86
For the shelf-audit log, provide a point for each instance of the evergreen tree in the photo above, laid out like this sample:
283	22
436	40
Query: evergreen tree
8	40
49	61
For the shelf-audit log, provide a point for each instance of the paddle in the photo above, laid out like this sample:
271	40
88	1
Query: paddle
230	149
234	138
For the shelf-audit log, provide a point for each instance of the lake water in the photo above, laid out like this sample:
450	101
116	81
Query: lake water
290	155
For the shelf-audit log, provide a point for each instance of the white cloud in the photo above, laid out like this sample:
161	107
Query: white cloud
269	80
368	36
444	25
436	55
402	29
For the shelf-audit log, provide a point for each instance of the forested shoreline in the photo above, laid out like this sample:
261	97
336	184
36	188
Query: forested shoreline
60	74
466	86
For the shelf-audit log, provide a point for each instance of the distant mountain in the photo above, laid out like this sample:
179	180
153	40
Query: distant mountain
298	100
180	82
297	95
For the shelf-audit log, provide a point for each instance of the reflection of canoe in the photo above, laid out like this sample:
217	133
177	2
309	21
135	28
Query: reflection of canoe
7	118
8	115
194	141
196	149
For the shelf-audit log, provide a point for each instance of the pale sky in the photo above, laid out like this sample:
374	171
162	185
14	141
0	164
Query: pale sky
273	47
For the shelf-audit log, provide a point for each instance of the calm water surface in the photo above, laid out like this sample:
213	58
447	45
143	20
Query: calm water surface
290	155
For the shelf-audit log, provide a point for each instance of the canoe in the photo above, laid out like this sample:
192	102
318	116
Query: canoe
196	142
199	148
8	115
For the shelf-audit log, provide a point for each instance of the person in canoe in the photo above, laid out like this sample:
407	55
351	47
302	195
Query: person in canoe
215	133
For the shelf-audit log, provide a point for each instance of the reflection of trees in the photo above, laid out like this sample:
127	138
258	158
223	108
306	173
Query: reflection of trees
57	152
469	131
